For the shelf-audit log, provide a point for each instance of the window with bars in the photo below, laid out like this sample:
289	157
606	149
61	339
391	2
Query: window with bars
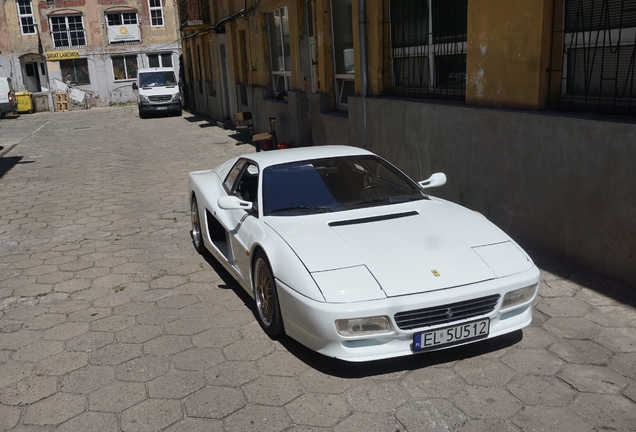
68	31
156	13
599	56
280	59
25	15
342	33
427	48
160	60
124	67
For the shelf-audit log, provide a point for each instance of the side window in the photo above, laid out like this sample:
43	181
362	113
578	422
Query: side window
228	184
247	185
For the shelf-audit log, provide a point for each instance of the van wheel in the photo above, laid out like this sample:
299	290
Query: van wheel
142	115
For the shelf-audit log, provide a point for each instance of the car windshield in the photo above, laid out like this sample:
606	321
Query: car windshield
157	79
335	184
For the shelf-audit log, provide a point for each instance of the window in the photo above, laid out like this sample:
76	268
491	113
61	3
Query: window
25	15
160	60
156	13
125	67
68	31
428	48
342	26
75	71
278	26
123	27
598	56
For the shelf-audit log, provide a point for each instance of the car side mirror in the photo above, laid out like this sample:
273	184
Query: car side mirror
134	85
437	179
234	203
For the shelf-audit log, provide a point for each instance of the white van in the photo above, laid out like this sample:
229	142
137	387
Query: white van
158	91
8	103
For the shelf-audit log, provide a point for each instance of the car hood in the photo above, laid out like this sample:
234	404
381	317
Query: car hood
408	248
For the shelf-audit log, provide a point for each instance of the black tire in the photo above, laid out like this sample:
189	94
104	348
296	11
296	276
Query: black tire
267	306
196	234
142	115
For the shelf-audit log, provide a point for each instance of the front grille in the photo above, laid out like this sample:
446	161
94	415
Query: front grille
446	314
160	98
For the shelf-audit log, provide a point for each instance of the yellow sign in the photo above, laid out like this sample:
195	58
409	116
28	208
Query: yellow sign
62	55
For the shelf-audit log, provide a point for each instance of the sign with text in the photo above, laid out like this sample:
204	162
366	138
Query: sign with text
62	55
124	33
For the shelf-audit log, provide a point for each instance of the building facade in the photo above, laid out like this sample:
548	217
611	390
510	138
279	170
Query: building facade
528	106
91	48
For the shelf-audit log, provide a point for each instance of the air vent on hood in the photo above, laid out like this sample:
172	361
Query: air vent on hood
372	219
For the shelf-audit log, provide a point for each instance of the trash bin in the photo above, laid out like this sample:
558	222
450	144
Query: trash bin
25	102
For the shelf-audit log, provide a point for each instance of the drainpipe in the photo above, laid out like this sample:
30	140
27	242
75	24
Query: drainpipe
364	65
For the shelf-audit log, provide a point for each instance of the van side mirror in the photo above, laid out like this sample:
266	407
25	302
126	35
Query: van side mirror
134	85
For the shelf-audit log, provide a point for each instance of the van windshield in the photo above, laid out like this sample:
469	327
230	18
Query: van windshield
157	79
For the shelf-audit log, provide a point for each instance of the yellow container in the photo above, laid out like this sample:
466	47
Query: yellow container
25	102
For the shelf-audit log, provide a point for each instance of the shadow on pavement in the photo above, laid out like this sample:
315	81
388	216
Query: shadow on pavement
6	163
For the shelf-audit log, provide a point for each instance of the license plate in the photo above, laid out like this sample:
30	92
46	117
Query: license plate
161	108
449	336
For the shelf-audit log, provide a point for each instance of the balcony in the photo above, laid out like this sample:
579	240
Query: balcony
194	14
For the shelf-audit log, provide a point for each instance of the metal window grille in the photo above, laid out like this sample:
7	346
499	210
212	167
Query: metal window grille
425	44
68	31
342	33
278	27
156	13
25	15
595	68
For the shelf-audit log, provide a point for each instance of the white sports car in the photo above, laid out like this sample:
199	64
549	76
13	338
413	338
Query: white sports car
350	257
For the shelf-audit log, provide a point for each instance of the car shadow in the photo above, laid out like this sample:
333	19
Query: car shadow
7	163
344	369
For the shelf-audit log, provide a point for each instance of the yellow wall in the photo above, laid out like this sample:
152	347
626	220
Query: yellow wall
508	53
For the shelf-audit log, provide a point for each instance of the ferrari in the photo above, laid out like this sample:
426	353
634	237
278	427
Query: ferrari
346	254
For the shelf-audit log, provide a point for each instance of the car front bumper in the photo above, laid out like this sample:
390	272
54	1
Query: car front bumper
312	323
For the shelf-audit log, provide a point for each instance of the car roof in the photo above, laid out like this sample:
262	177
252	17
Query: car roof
276	157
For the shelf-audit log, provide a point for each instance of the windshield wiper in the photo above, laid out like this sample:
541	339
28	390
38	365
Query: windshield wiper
318	209
390	200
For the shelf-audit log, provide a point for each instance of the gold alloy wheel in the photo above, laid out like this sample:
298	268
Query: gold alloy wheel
264	292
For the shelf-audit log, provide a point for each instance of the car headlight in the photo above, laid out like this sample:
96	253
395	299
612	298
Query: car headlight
143	98
177	96
517	297
363	326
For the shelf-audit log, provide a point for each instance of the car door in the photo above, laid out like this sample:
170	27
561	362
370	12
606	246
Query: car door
242	182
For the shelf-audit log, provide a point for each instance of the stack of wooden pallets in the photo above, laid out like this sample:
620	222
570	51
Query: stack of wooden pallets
61	101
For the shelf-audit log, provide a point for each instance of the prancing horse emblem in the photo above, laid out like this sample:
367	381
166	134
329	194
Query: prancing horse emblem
435	273
449	313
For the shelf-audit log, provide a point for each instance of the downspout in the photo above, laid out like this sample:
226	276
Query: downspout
364	65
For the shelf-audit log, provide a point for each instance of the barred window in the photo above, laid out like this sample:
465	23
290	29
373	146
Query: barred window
599	56
342	24
68	31
428	48
280	57
156	13
25	15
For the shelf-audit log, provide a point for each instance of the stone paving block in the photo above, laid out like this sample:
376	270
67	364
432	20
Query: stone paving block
605	411
613	316
595	298
151	415
177	301
593	379
90	314
116	353
43	322
138	334
197	425
232	373
489	425
134	308
258	418
274	391
68	307
232	319
38	350
216	338
28	391
202	310
625	364
143	369
90	341
550	419
432	383
197	358
91	422
167	345
483	402
562	307
9	417
249	349
55	409
61	363
113	323
430	414
152	295
116	396
484	371
572	328
87	379
376	396
541	390
320	410
581	352
187	326
214	402
65	331
19	338
33	290
176	384
536	362
281	363
315	381
622	339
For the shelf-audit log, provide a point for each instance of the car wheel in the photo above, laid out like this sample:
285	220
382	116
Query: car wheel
142	115
197	238
269	316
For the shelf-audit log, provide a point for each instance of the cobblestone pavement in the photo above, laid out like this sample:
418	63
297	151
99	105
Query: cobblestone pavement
109	319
